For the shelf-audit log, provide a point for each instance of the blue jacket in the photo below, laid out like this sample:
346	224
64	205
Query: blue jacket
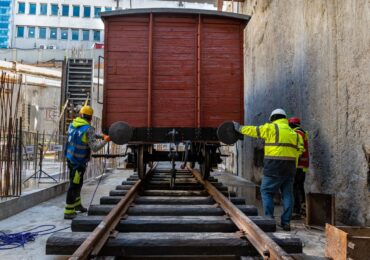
77	148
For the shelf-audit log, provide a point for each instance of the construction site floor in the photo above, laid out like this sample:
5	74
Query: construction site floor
51	213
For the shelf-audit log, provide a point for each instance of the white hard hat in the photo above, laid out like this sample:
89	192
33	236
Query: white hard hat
278	111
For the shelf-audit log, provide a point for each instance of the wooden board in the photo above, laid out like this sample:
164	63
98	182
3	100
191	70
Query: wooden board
173	70
177	243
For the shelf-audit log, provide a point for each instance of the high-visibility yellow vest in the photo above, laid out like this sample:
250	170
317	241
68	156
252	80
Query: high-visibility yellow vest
281	142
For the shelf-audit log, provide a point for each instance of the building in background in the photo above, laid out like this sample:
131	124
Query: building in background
67	24
56	24
5	21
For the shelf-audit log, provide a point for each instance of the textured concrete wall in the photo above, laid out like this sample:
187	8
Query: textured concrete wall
312	58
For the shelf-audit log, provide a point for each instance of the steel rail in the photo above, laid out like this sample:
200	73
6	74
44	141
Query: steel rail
265	246
97	239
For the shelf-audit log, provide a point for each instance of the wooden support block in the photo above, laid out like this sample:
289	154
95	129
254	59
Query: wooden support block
171	224
171	210
177	193
110	200
128	182
173	243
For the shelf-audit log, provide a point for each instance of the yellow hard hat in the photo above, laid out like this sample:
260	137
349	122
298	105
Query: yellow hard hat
86	110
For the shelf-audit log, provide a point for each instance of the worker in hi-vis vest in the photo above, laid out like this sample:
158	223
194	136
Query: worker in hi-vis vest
282	149
302	168
81	140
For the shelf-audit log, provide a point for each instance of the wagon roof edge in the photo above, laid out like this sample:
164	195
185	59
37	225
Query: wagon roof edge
173	10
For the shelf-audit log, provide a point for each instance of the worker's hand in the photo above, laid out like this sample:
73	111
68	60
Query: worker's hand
236	126
106	138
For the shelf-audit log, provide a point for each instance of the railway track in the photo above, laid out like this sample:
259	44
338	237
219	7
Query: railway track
197	219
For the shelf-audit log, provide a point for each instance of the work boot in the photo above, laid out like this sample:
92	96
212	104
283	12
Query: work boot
81	209
285	227
70	216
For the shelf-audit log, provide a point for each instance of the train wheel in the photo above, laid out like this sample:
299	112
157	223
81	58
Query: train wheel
140	164
205	165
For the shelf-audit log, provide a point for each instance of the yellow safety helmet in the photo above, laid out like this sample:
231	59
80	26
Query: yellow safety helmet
86	110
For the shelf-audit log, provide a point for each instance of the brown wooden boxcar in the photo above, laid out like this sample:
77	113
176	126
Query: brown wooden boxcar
170	69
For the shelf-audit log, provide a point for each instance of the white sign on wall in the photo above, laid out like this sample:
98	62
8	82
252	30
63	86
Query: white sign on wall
57	148
30	149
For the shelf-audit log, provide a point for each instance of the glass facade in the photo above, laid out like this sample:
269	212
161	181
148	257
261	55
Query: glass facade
21	7
107	9
85	35
53	33
64	34
75	34
31	32
65	10
20	31
42	33
76	11
97	11
5	13
32	9
87	11
43	9
97	35
54	9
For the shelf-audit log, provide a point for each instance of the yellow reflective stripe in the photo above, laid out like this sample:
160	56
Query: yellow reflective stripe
69	211
285	158
283	144
76	178
82	147
277	133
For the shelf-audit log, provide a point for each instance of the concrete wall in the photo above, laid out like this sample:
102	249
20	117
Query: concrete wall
312	58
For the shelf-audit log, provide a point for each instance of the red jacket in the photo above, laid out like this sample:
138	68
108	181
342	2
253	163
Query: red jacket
304	160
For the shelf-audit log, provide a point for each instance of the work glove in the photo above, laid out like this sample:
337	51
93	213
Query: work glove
106	138
236	126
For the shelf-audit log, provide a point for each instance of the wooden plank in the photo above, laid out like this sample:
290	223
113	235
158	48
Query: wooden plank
171	224
110	200
177	193
175	243
172	210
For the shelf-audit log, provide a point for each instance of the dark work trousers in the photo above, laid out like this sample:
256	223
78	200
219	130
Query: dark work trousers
76	174
299	194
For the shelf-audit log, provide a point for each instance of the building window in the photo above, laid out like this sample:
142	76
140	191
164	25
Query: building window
75	34
87	11
85	35
76	11
32	9
21	7
20	31
54	9
97	11
43	9
53	33
64	34
107	9
31	32
97	35
42	33
65	10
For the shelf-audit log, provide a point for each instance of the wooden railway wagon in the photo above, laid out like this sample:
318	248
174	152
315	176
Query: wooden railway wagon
172	75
